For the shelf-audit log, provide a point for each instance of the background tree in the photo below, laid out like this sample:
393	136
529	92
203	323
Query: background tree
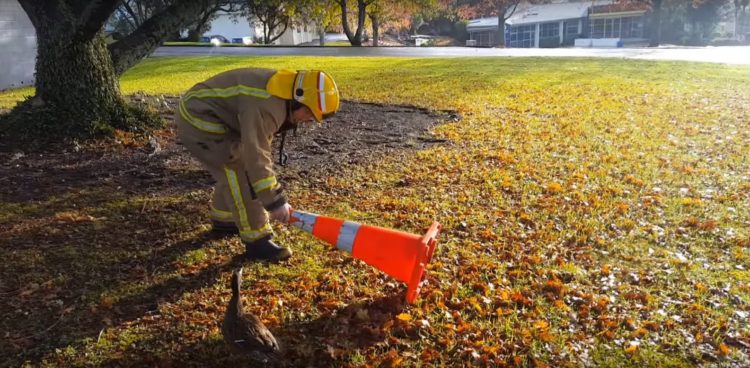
203	23
355	38
739	11
320	12
703	16
77	87
274	15
654	19
394	14
503	9
655	22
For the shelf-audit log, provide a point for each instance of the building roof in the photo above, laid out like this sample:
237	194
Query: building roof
620	7
539	13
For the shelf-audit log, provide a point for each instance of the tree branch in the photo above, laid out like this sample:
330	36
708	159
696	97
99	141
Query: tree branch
38	12
94	15
286	25
124	14
515	6
130	50
136	20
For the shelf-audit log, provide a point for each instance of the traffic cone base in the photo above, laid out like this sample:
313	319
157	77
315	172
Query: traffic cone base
401	255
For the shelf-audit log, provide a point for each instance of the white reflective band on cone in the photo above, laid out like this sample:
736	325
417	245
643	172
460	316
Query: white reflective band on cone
347	234
305	221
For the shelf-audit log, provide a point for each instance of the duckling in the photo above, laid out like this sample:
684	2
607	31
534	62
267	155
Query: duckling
243	331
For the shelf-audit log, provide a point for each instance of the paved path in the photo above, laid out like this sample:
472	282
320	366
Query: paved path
724	54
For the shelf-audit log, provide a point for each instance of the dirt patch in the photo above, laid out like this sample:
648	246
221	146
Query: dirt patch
359	132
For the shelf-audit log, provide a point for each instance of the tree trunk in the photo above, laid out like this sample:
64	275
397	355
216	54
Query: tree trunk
77	89
355	39
361	16
375	30
322	34
655	39
74	73
500	35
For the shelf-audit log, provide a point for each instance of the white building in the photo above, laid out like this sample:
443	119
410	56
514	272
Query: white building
237	29
18	45
601	22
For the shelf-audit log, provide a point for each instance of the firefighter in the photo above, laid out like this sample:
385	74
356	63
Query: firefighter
228	122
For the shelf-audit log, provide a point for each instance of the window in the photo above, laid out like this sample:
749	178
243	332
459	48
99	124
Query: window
626	27
522	36
597	28
549	30
571	27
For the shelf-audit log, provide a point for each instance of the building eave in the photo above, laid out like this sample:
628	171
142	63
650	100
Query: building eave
632	13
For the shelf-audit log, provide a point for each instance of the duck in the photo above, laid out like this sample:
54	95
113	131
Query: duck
243	331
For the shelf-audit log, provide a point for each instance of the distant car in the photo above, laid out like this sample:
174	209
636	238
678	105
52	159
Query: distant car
218	38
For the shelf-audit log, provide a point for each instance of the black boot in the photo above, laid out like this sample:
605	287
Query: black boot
264	249
221	228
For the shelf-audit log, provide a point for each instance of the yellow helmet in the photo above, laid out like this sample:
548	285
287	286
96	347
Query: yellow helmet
312	88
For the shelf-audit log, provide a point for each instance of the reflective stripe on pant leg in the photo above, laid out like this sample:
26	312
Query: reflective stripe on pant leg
253	235
219	215
247	233
239	203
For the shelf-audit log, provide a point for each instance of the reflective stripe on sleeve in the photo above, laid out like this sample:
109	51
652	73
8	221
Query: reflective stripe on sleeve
265	184
213	127
206	126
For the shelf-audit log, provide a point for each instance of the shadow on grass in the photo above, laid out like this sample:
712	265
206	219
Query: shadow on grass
107	248
333	337
93	239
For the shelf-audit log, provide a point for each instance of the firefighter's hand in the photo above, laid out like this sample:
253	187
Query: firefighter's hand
281	214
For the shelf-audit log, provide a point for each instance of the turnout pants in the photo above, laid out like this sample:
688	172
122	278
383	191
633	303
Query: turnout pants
233	198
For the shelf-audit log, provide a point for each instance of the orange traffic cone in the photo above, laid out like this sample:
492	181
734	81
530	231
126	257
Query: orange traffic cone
401	255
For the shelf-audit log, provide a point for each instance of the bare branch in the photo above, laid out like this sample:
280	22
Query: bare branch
94	15
144	40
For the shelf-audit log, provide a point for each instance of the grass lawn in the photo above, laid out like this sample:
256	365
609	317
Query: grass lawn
595	212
